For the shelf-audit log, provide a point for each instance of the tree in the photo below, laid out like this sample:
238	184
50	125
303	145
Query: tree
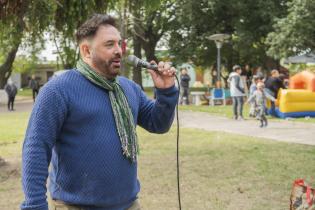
69	15
295	32
20	20
247	21
150	21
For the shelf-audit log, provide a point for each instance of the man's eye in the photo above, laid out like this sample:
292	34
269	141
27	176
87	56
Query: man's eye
109	44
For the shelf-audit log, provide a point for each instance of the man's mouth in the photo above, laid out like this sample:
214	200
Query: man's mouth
116	62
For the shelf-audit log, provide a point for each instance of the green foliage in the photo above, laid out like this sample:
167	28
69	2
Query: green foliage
21	22
294	33
23	64
36	17
248	22
69	15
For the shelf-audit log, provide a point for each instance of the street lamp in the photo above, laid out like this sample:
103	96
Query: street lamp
219	39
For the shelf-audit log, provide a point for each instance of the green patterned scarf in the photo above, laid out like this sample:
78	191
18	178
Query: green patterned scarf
122	112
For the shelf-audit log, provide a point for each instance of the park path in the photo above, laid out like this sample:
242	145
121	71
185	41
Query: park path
287	131
21	104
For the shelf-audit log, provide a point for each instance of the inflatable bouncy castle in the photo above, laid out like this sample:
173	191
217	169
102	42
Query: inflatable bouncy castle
299	99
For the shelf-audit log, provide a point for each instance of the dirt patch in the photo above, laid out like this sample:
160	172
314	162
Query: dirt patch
8	170
2	162
7	143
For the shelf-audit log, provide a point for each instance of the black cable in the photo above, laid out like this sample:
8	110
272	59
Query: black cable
177	148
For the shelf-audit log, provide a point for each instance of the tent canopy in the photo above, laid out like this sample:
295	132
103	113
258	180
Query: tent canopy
306	58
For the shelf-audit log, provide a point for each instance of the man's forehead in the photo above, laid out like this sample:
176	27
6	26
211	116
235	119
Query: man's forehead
108	32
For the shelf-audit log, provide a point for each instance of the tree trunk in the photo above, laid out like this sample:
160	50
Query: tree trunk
137	76
123	30
6	67
149	48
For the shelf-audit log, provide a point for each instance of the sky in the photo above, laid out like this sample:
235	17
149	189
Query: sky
48	53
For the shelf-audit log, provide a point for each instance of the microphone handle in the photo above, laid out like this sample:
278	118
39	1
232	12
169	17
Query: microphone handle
147	65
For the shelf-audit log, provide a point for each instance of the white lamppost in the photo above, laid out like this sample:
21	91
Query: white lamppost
219	39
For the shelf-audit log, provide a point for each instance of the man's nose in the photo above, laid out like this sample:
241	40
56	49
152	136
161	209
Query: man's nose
118	49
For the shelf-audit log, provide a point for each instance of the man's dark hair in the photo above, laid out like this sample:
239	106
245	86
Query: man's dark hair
89	28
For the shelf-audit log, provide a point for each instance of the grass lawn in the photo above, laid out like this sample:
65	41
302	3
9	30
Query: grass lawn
218	170
25	92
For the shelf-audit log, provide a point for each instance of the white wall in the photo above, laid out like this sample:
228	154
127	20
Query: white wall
3	97
16	79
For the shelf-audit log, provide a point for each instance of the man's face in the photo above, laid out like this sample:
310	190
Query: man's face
184	71
239	71
106	51
276	74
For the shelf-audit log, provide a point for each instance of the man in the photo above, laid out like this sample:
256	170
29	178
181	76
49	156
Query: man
248	74
34	85
84	122
274	83
237	92
11	91
184	84
272	87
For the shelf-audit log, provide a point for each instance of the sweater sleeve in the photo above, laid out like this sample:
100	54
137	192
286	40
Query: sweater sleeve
43	129
157	116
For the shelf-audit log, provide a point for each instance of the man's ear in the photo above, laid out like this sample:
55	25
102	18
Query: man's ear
85	49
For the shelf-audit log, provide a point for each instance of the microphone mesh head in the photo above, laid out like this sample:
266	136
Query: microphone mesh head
132	60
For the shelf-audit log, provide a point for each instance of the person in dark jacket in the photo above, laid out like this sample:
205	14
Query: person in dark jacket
184	83
272	87
274	83
34	85
11	91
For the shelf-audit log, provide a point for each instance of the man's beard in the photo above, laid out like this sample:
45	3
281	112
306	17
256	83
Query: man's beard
106	67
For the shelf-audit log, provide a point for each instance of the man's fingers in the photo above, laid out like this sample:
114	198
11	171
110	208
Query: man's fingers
167	66
172	71
161	66
153	62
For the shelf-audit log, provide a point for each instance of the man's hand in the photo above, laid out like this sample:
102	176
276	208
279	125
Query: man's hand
164	77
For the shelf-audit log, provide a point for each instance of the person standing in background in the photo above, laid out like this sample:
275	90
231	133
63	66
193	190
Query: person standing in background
249	75
214	76
184	83
237	89
34	85
11	91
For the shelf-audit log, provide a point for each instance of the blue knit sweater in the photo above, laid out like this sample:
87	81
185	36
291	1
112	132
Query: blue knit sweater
72	126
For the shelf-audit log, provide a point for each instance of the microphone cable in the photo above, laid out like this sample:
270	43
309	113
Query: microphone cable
136	62
177	146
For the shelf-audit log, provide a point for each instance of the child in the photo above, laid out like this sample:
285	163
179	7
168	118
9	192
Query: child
259	97
252	89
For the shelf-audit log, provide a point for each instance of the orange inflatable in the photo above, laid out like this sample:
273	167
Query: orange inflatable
303	80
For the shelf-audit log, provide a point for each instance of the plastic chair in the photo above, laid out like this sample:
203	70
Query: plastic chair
217	94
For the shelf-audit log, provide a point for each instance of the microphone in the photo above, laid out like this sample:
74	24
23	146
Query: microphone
137	62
